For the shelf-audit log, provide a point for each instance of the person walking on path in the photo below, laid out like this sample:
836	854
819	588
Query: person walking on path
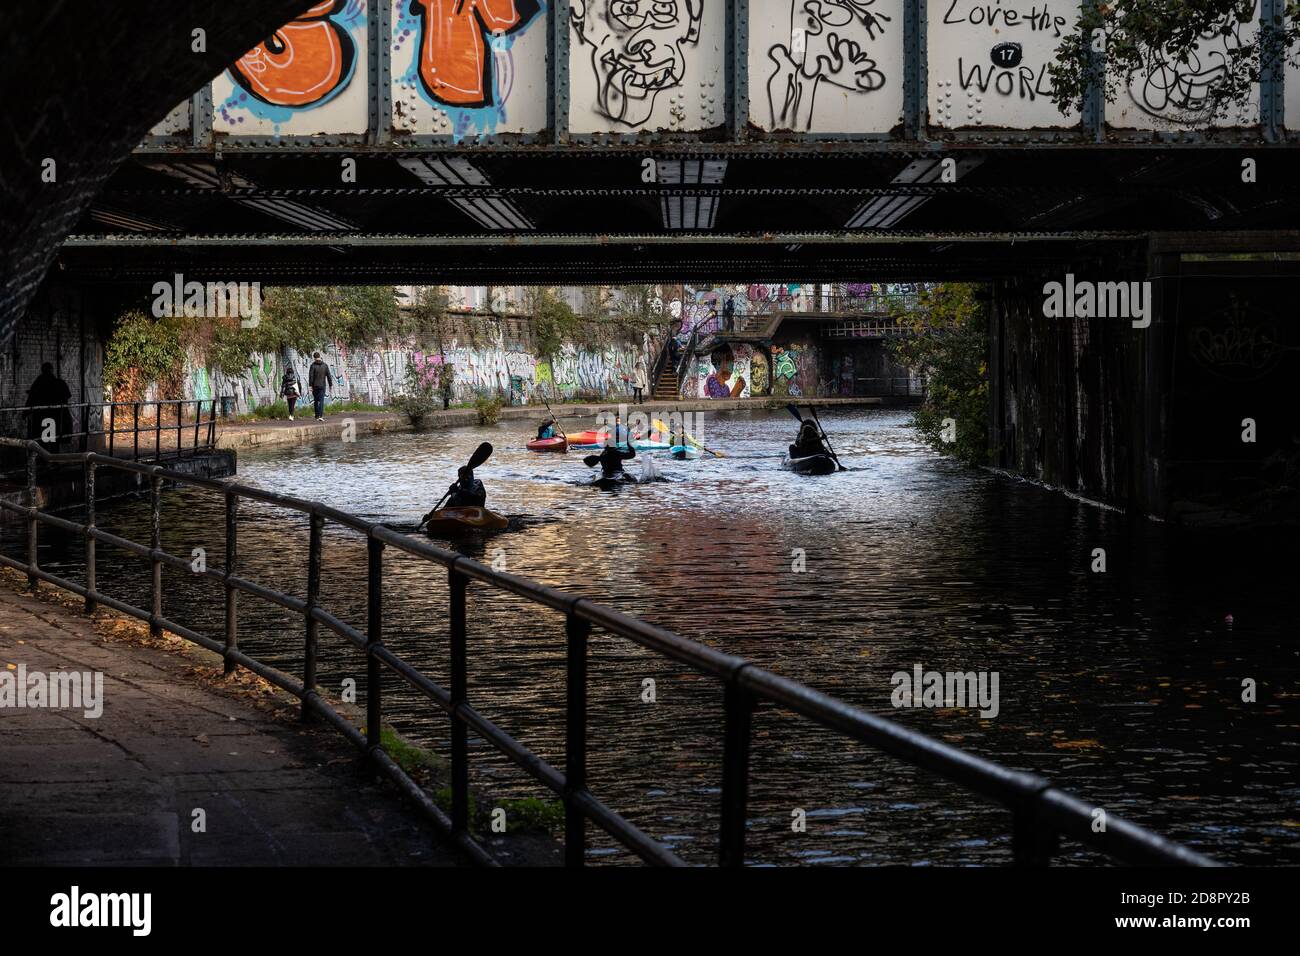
320	379
639	381
290	389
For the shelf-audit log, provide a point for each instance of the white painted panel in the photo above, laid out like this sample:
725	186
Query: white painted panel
988	62
830	66
646	65
1171	94
309	77
469	67
175	122
1291	100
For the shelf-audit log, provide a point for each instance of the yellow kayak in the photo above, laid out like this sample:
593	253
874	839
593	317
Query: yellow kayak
451	521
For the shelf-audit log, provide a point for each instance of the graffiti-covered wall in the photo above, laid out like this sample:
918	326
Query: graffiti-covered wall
501	366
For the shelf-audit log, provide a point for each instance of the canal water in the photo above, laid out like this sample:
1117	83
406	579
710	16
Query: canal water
1125	686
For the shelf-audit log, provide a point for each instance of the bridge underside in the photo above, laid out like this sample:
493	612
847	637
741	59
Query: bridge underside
539	214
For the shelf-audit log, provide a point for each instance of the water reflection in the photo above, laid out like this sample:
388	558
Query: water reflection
1125	686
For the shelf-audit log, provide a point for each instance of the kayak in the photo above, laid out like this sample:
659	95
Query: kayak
609	484
548	444
640	444
451	521
811	465
685	452
587	438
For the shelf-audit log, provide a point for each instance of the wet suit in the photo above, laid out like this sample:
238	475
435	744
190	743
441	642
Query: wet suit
612	458
808	441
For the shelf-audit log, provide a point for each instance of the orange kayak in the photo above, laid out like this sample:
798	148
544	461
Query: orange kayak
548	444
453	521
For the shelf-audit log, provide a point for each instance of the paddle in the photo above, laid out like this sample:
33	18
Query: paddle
799	418
557	422
664	429
481	454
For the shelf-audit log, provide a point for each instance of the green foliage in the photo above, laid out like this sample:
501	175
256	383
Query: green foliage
421	394
533	813
489	409
143	351
946	338
1133	28
303	319
553	320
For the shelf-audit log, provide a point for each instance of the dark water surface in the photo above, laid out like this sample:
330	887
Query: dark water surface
1124	686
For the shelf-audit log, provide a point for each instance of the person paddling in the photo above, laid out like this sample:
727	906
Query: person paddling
547	428
808	441
611	460
468	491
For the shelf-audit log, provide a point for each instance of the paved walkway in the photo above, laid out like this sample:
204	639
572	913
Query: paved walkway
282	431
122	788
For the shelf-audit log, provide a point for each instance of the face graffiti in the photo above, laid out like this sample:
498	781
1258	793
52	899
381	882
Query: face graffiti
636	50
455	66
304	63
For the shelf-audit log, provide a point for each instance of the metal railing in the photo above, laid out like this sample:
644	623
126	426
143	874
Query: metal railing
115	427
1041	814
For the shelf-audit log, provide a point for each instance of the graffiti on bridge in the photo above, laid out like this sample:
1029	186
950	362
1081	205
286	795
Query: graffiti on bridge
637	51
830	44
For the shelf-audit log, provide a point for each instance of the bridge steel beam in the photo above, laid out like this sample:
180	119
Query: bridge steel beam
59	143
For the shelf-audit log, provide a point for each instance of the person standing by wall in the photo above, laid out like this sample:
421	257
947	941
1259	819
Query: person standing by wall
48	419
320	379
639	381
290	389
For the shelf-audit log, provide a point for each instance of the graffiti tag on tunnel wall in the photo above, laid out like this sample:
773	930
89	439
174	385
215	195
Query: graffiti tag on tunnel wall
646	65
469	67
826	66
988	62
1168	93
309	76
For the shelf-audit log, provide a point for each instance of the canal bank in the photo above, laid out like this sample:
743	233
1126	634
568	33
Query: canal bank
170	762
255	434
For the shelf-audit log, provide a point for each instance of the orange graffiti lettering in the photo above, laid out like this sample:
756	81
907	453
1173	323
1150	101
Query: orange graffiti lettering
302	63
455	67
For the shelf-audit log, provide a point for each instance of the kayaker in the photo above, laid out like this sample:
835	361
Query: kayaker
468	491
547	428
612	458
808	441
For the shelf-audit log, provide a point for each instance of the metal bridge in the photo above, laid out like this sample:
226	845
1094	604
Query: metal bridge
692	139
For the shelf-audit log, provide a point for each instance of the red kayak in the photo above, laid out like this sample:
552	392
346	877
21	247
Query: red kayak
588	438
548	444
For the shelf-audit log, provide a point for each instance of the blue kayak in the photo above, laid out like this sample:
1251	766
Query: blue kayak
685	452
640	444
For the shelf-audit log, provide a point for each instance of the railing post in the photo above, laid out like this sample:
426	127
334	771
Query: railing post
90	537
738	705
85	427
32	524
232	595
135	431
157	431
212	426
317	525
459	695
112	426
577	632
198	418
374	637
180	414
155	504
